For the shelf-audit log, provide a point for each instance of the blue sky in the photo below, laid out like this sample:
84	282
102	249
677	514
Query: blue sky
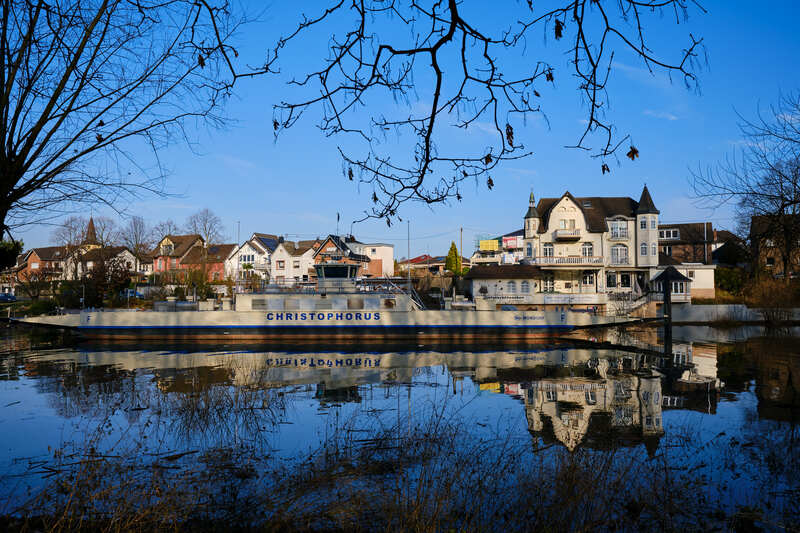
295	186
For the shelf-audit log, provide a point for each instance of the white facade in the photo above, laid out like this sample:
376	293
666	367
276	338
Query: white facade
379	251
75	269
248	257
289	264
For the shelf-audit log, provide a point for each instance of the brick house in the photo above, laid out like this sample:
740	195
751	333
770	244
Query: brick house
688	243
767	235
211	259
336	249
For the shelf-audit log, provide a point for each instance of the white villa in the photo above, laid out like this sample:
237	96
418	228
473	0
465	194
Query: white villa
252	257
583	253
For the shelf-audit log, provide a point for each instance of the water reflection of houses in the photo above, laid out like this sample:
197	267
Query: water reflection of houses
605	402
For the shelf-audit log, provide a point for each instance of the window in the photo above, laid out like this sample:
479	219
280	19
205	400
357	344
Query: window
174	262
619	254
666	250
567	223
547	249
216	276
653	223
587	203
625	280
643	223
611	280
167	249
374	251
529	250
669	234
588	278
770	262
643	249
281	264
591	397
654	249
678	287
551	395
296	264
691	274
35	266
161	264
587	249
548	284
511	287
525	287
661	234
619	229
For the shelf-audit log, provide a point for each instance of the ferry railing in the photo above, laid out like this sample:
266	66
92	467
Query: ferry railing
411	292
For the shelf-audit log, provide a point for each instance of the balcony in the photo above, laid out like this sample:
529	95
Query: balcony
619	235
567	234
569	260
619	260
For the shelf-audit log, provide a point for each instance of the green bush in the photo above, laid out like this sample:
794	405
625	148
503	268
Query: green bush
42	307
731	280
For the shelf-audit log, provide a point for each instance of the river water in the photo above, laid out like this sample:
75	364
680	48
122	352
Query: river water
593	432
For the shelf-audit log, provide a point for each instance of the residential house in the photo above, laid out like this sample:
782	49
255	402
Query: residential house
170	250
768	236
432	264
688	243
293	262
380	255
253	257
83	261
209	259
588	253
341	249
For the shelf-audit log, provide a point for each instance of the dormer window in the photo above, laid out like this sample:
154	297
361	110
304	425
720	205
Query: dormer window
587	203
167	249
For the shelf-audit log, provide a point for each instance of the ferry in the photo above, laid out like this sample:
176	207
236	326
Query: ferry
338	309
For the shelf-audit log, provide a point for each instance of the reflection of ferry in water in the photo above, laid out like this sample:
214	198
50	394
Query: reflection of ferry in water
338	309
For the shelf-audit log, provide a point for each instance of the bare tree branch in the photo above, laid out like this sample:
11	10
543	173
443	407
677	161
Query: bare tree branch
444	73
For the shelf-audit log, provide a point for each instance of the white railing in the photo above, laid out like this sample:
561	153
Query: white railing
568	260
567	234
619	235
619	260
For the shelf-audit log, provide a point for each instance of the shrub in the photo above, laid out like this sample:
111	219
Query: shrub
42	307
731	280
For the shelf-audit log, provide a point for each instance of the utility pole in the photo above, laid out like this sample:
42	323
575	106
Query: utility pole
408	254
461	252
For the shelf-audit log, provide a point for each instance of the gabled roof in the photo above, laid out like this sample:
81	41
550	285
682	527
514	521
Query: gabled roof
216	253
298	248
670	274
666	260
518	233
182	244
344	249
267	241
597	210
99	254
503	272
646	205
50	253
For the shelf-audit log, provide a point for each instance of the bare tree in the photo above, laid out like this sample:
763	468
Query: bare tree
165	227
82	82
107	231
70	232
137	236
206	224
437	68
762	180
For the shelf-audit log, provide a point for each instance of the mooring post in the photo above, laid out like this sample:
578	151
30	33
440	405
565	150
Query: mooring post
668	320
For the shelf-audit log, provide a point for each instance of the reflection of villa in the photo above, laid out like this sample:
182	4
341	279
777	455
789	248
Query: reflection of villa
567	409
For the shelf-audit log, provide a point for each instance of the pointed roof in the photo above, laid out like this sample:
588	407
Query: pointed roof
91	233
532	212
646	205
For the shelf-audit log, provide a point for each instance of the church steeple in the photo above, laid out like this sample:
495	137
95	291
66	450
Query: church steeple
91	234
